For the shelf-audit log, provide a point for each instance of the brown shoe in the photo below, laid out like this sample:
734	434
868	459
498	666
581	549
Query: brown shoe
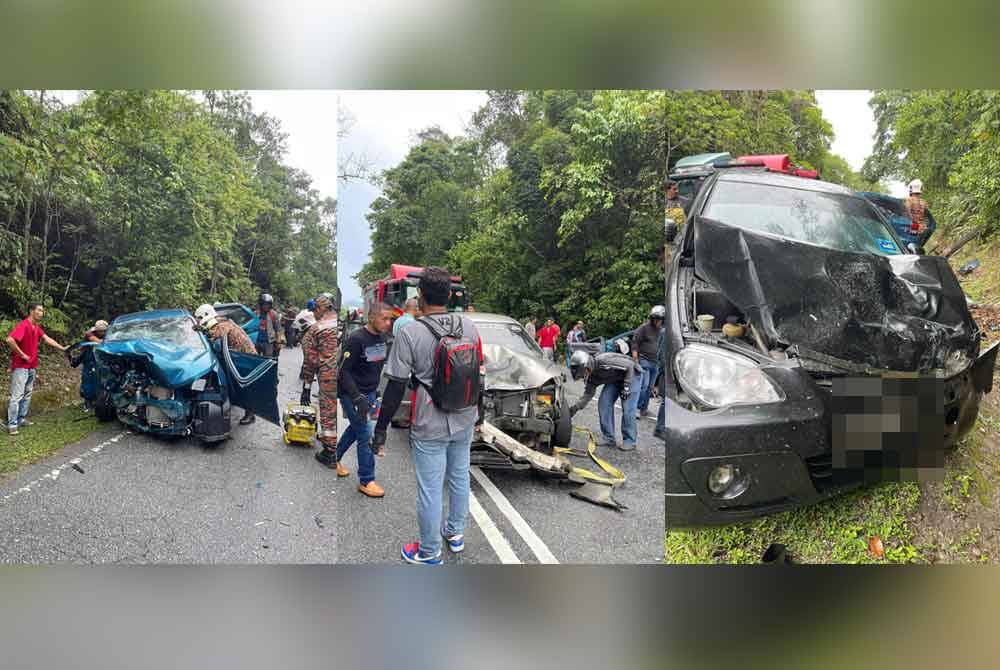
341	470
372	490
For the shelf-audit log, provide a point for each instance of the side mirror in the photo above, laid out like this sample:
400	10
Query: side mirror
670	229
913	248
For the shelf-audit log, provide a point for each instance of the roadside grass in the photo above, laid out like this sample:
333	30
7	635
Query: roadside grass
834	531
55	409
53	430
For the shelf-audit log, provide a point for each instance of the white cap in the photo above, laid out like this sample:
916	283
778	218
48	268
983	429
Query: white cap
916	186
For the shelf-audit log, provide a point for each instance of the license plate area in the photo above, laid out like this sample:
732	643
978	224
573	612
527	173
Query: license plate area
889	428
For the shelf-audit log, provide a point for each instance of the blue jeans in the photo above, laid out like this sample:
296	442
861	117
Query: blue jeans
359	429
22	381
435	461
606	409
649	371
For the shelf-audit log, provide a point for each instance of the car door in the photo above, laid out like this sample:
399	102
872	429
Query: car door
252	381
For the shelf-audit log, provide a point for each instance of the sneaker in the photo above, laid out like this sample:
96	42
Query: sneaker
411	554
327	457
341	470
627	447
455	542
660	433
371	489
606	444
247	419
27	422
12	431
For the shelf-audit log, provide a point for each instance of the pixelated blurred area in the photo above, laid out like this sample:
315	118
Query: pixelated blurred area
448	44
887	429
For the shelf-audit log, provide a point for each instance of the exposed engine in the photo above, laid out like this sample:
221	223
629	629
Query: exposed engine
141	402
530	417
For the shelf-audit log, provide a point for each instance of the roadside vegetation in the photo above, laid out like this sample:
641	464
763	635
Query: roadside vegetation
131	200
551	202
56	410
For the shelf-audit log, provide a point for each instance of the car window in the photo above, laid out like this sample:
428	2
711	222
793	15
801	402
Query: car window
172	330
833	220
235	313
509	335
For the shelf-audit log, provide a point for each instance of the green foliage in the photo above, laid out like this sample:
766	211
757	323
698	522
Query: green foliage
950	139
552	203
131	200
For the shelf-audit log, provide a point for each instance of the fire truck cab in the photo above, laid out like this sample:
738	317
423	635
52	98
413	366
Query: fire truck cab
401	285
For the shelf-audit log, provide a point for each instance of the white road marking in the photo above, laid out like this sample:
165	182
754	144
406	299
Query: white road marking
493	535
529	536
53	475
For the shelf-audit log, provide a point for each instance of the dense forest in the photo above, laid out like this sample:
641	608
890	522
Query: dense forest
131	200
551	202
950	139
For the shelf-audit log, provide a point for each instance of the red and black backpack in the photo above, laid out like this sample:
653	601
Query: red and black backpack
457	358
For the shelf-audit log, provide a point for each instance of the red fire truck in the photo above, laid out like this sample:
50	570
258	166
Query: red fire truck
401	285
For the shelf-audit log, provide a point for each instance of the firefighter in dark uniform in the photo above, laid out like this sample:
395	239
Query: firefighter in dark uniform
320	349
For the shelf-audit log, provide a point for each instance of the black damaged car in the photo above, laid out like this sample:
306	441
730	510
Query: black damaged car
787	298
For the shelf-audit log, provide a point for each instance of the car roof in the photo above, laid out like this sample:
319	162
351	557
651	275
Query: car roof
488	317
768	178
152	314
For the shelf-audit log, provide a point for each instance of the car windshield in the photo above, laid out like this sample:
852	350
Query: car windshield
176	330
509	335
833	220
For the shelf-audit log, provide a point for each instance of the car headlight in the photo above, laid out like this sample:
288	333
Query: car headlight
717	378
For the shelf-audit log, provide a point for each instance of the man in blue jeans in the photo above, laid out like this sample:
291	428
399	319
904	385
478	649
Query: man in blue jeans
645	342
23	343
440	440
617	373
359	370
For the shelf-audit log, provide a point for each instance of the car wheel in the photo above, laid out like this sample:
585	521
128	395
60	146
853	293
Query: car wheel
564	427
103	409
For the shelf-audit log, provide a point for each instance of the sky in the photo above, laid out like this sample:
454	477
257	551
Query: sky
384	126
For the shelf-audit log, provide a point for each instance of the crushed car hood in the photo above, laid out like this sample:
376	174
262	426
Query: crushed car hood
903	313
172	365
509	370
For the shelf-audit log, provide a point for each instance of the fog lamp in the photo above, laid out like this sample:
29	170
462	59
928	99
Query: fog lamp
721	478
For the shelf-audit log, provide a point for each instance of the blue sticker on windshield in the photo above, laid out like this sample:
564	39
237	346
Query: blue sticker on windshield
886	245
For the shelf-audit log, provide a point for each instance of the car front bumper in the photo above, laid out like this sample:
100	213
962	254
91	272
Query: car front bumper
783	450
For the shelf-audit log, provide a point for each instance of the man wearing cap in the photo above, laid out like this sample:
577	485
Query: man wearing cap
320	349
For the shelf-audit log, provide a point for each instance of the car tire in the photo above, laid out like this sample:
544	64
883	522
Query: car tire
103	409
564	427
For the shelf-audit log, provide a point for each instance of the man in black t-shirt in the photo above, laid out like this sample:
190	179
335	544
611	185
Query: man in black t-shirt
359	370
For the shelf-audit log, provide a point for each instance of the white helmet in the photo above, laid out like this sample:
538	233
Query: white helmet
205	316
916	186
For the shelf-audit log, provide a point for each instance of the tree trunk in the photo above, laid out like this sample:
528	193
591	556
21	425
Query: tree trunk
968	237
72	270
27	233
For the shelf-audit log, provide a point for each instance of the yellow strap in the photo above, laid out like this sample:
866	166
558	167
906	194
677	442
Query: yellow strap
615	476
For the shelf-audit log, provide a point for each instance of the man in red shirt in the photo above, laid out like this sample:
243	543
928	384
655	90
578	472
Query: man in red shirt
547	338
23	342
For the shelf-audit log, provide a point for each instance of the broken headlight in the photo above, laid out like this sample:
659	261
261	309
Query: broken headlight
718	378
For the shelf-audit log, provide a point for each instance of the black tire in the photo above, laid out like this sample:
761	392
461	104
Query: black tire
103	409
564	427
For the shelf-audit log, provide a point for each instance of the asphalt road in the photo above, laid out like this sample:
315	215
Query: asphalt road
253	499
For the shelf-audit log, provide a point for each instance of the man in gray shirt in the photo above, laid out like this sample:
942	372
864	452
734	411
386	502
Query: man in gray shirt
440	440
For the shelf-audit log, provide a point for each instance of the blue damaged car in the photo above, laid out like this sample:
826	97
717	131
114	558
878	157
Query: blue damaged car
159	375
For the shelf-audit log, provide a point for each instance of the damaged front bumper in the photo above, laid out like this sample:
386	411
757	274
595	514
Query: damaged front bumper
782	452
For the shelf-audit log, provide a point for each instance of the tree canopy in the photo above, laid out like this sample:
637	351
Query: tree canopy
551	202
131	200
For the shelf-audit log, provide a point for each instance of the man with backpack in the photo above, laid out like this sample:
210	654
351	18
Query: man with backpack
443	355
